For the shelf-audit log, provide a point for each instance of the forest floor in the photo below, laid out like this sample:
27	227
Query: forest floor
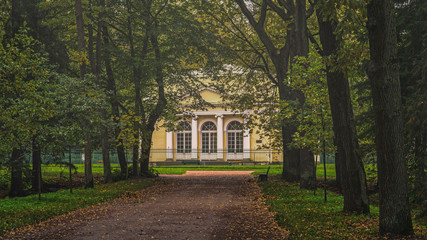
196	205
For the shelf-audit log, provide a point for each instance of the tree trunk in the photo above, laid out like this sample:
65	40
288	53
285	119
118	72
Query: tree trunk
383	73
291	157
16	183
37	168
111	89
353	178
338	160
105	136
81	48
80	34
145	154
296	43
106	150
420	178
148	129
137	83
306	158
88	163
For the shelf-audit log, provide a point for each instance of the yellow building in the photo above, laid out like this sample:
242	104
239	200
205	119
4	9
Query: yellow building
213	135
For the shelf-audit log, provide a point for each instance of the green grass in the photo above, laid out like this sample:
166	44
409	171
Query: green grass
330	171
274	169
182	169
57	169
22	211
307	216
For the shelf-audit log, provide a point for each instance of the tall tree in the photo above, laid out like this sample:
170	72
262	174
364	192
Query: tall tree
412	51
281	55
82	64
352	172
307	165
383	73
111	90
22	72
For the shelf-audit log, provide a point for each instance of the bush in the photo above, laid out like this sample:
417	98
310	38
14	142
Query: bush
116	175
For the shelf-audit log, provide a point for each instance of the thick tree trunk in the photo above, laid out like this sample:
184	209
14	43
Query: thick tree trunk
308	170
383	73
291	157
145	154
37	168
16	183
353	178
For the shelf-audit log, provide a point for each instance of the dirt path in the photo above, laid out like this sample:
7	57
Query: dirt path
197	205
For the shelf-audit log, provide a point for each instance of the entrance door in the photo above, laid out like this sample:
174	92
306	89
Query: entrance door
209	141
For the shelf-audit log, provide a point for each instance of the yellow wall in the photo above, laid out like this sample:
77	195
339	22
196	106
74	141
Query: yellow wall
158	144
158	152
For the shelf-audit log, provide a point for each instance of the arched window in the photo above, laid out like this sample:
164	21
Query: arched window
183	137
208	137
235	137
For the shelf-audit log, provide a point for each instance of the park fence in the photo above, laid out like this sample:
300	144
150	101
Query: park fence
159	156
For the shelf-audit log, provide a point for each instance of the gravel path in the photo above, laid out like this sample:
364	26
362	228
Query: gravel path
197	205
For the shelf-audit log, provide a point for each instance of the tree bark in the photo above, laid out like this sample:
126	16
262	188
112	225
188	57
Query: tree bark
353	178
81	48
37	167
137	82
96	67
383	72
106	150
338	160
16	183
296	43
112	94
80	34
306	157
88	163
149	126
145	153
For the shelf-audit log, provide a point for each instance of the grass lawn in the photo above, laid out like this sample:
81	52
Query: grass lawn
22	211
307	216
181	169
274	169
56	170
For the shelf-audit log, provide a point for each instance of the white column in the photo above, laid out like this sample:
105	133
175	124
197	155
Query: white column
194	138
169	145
246	143
220	137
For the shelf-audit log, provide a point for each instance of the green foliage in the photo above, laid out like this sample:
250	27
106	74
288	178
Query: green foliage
23	73
18	212
315	120
116	175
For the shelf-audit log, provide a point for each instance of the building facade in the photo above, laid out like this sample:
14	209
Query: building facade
213	135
